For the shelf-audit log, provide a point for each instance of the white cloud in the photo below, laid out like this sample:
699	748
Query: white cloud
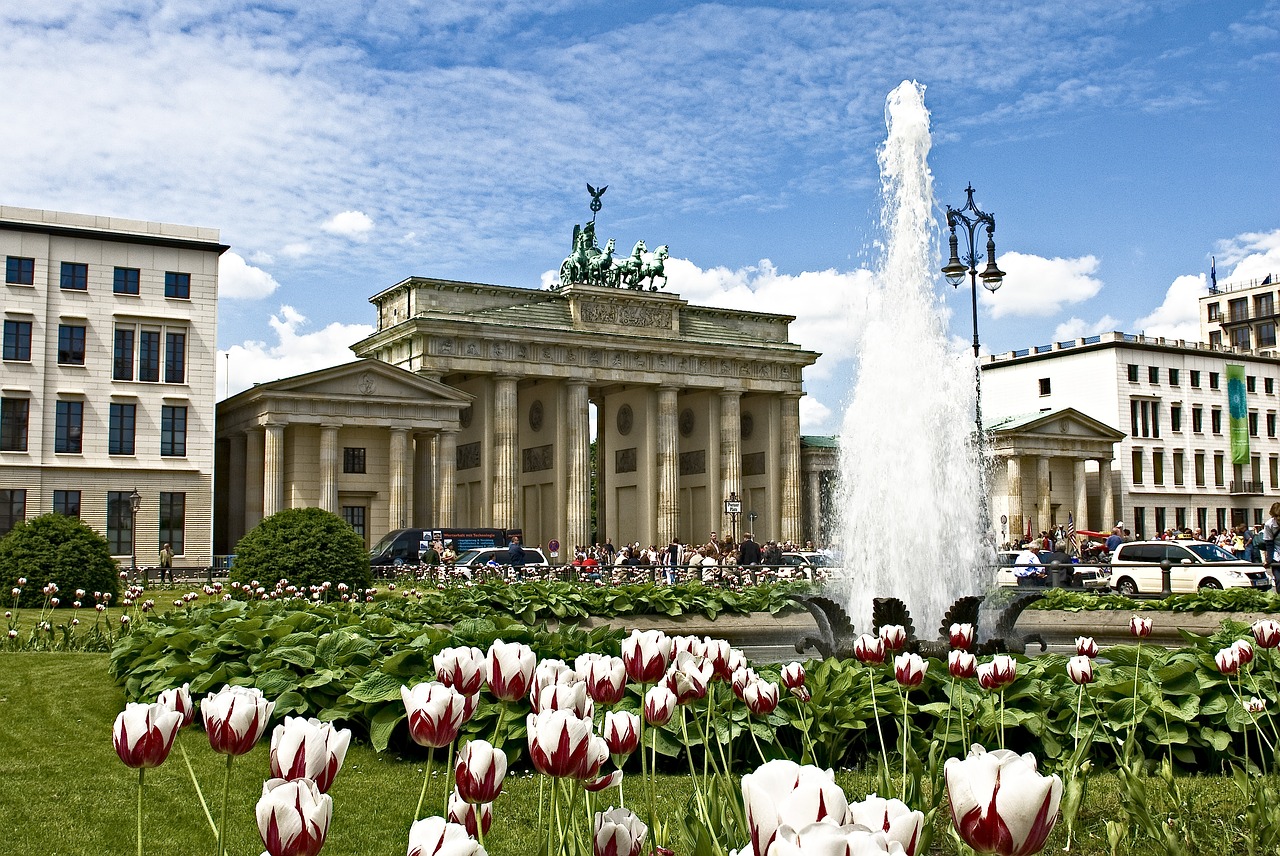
293	352
1178	317
1256	255
295	250
815	417
239	280
1075	328
349	224
1039	287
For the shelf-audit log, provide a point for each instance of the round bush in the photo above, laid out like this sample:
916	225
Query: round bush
306	546
54	548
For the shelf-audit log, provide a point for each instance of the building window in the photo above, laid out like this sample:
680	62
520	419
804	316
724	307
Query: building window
1173	377
1271	424
1213	380
75	276
1215	420
1213	311
1137	466
122	358
1133	373
1155	419
1160	519
1180	518
1179	463
177	285
1253	423
14	413
1267	334
1255	470
1139	521
1175	418
119	523
173	432
121	429
1153	374
1238	309
1274	465
1157	468
13	509
1222	519
126	280
149	356
70	345
17	340
1197	420
175	357
173	521
1215	338
1219	473
66	503
1195	378
1133	417
1269	385
1250	383
1264	305
353	460
68	426
354	515
19	271
1199	464
1044	386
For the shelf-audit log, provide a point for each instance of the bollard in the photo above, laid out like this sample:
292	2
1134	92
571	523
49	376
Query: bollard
1166	581
1055	574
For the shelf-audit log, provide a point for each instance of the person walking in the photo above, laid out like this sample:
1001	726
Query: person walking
515	557
1270	532
166	563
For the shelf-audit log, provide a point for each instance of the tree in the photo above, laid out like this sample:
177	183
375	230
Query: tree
54	548
306	546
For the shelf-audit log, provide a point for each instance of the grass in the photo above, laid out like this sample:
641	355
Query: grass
63	792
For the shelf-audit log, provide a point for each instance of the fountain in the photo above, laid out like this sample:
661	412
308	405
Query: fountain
911	484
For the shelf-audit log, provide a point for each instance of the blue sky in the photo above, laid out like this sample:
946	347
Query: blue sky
342	146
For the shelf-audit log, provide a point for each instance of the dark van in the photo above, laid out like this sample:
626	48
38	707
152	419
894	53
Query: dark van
406	546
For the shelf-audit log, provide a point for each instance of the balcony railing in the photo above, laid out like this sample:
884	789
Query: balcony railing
1247	487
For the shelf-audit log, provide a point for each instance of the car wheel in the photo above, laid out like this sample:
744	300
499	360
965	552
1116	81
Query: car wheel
1127	587
1210	584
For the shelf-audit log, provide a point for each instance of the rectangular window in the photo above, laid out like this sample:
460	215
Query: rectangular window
1133	373
1222	519
1155	419
1180	517
1269	385
173	431
1264	305
1139	521
1199	469
19	271
70	345
1267	334
1250	383
13	509
1146	418
1215	338
1238	309
1197	420
1044	386
1213	311
1257	516
1137	466
68	426
1175	418
119	523
1219	472
126	280
1153	374
1173	377
353	460
1274	466
1215	420
1160	519
175	350
354	515
17	340
1253	423
75	277
14	413
1133	418
1195	378
121	429
1179	463
1213	380
177	285
1202	520
1157	468
173	521
1271	424
66	503
149	356
122	358
1255	470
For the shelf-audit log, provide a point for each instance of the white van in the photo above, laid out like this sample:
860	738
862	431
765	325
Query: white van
1135	568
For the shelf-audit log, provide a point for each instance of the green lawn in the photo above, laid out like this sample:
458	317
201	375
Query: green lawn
63	792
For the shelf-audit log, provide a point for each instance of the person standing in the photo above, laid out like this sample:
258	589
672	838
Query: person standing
749	553
515	556
1270	533
166	562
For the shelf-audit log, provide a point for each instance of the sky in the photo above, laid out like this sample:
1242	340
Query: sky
342	146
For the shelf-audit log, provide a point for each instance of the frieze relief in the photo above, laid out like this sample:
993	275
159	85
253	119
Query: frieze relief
624	460
536	459
625	315
468	456
693	463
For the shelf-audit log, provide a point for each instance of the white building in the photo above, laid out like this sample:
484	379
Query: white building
1241	315
1169	399
107	378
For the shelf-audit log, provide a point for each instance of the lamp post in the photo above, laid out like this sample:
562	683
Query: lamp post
135	499
733	507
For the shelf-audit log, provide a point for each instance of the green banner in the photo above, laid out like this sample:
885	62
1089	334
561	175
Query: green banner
1238	410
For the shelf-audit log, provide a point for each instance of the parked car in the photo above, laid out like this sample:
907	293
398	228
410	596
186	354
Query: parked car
498	555
806	559
1089	576
1135	568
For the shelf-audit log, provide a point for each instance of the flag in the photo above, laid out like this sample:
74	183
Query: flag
1238	413
1071	535
1029	535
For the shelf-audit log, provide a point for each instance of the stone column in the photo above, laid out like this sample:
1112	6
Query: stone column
329	468
668	518
236	494
1081	494
731	456
424	507
446	475
1044	501
398	477
1013	476
506	453
604	466
253	477
273	470
792	521
1108	498
577	415
814	477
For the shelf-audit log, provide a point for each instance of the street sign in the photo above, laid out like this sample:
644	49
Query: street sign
733	506
553	545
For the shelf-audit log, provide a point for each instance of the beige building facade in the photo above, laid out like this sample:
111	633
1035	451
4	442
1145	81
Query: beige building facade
107	379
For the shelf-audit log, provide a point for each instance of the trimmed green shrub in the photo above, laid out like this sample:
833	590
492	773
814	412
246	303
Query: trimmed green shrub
306	546
54	548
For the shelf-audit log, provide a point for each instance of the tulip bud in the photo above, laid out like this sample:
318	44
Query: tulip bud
558	742
606	679
1244	651
1266	632
549	673
783	793
179	700
870	650
435	713
689	677
597	753
1228	661
470	815
463	669
572	697
293	817
235	719
962	636
435	835
1000	803
646	655
998	674
761	697
741	678
621	732
892	817
909	669
1140	627
792	675
144	734
717	652
308	749
510	669
1080	669
1086	647
961	664
803	694
480	772
1256	705
618	832
659	705
894	636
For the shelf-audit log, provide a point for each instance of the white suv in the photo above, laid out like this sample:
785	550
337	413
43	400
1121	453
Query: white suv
1135	568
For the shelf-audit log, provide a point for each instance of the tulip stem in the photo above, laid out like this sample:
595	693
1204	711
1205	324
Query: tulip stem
141	770
644	768
226	790
693	773
905	725
448	781
417	812
875	711
207	816
542	784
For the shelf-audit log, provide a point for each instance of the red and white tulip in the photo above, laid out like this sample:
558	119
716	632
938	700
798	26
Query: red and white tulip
463	669
999	673
893	817
646	655
510	669
480	772
962	636
618	832
909	669
559	742
293	817
235	718
435	836
870	650
1000	803
143	734
435	713
621	732
308	749
659	705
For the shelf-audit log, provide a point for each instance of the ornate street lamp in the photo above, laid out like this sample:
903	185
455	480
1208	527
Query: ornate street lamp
135	499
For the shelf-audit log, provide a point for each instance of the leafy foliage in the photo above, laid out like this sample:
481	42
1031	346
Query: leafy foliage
1206	600
307	546
54	548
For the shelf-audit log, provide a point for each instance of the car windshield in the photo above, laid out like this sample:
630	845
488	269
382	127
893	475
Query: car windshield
383	543
1211	553
469	557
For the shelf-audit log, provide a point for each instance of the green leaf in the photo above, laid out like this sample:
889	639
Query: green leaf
382	725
